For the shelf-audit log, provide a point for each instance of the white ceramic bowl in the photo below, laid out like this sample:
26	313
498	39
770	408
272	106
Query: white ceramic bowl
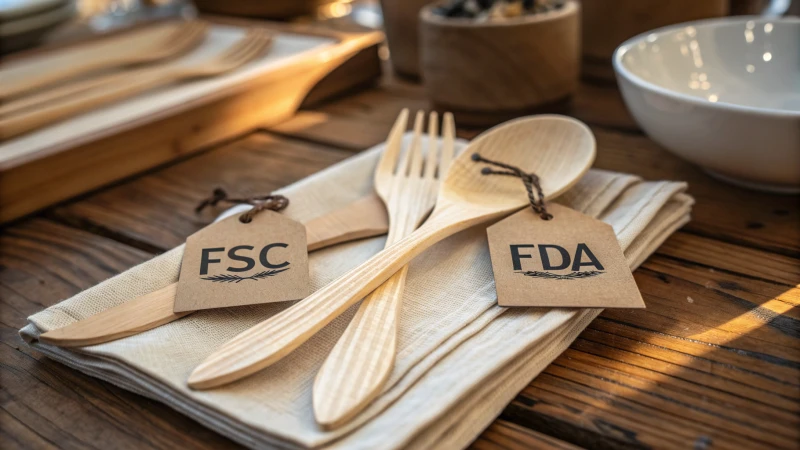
722	93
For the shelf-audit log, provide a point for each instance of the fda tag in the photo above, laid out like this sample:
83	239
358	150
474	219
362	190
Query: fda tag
232	263
571	260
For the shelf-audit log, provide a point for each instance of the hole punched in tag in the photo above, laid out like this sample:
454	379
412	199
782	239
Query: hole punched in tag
531	181
259	203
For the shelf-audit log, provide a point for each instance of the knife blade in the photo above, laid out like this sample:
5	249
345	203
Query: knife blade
360	219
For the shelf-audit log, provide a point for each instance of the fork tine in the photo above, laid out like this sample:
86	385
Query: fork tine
393	144
186	39
179	32
433	145
189	32
200	28
173	38
251	47
243	44
416	155
413	153
448	144
261	43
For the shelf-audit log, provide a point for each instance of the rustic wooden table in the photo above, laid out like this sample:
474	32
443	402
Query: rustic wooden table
713	362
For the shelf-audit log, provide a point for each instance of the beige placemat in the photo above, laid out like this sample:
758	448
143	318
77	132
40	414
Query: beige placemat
461	358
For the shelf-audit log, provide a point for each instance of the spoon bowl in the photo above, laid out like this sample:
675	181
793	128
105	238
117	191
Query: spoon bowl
558	149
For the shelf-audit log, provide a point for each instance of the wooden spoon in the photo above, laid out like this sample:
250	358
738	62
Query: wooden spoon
558	149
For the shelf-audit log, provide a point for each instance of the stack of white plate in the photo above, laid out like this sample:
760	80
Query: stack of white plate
23	23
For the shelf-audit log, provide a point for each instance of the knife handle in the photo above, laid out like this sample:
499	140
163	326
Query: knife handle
362	360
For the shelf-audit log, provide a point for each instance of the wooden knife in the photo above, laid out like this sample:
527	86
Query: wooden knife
363	218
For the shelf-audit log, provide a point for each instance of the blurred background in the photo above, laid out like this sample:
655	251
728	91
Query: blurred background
27	23
73	71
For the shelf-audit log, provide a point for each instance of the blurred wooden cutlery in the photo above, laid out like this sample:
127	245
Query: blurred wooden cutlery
246	49
183	38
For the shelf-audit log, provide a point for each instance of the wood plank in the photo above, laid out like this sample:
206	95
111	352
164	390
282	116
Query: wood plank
43	262
608	419
157	210
504	435
760	324
594	103
45	404
713	359
723	212
17	436
718	255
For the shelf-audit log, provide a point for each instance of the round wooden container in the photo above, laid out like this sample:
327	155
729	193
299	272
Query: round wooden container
488	72
609	23
266	9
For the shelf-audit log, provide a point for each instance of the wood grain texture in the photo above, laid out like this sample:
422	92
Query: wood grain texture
254	165
484	72
660	378
274	9
357	368
360	219
711	362
48	405
558	146
374	110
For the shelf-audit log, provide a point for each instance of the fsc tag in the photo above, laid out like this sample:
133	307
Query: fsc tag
232	263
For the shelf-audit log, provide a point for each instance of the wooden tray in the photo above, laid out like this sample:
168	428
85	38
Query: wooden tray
306	65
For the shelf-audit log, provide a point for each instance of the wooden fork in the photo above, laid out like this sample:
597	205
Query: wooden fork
184	38
362	360
251	46
191	35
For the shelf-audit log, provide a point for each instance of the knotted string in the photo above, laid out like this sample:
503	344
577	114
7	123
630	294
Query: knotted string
531	181
259	203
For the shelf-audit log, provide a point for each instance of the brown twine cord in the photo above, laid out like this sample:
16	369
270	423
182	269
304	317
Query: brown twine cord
531	181
259	203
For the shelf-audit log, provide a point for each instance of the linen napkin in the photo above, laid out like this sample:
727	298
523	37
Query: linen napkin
460	357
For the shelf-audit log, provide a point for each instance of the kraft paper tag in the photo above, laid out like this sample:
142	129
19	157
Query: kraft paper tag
231	263
571	260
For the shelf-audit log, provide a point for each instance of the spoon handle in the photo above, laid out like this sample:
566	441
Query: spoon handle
269	341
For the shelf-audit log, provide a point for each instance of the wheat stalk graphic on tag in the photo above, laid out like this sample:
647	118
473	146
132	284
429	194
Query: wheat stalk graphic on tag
569	276
228	278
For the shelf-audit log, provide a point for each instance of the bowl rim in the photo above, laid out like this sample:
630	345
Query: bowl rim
622	71
570	8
